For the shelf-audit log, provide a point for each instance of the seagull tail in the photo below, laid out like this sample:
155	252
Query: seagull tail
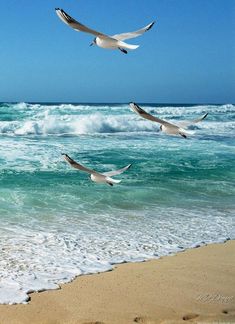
127	46
186	131
112	181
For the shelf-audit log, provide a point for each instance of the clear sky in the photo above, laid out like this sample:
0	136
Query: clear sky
187	57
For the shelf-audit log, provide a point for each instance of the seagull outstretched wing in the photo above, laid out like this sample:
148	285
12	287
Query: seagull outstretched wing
78	166
133	34
148	116
187	123
75	24
116	172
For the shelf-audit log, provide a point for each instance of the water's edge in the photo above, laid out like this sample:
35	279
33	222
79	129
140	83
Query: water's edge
114	265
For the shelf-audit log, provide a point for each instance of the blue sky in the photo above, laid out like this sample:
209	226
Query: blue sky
188	56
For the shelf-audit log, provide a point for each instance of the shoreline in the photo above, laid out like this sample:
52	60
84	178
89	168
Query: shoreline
195	285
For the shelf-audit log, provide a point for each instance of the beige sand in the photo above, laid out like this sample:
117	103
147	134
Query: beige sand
196	286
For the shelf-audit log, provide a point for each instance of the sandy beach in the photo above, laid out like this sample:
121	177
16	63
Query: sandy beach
196	286
117	123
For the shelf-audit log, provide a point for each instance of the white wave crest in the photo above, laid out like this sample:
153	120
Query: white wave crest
69	119
76	125
174	110
183	111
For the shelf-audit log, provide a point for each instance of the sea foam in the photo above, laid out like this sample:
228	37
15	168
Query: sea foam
56	224
70	119
36	260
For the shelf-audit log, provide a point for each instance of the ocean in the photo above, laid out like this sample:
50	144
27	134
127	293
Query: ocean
56	224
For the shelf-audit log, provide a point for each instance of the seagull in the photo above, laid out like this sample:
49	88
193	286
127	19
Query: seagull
102	40
166	126
96	176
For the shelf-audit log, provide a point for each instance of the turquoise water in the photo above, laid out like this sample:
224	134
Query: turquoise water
57	224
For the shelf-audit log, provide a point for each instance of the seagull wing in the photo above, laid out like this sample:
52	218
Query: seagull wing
134	34
78	166
75	24
116	172
145	115
187	123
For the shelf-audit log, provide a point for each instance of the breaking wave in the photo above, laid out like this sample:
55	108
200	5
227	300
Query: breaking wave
56	224
23	119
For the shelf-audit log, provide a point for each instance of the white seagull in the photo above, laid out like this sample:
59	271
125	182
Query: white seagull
102	40
167	127
96	176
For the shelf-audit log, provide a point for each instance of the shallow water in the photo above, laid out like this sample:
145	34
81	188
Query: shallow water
56	223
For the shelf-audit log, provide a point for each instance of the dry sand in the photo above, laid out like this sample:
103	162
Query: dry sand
196	286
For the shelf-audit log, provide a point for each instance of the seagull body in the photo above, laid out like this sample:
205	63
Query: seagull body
167	127
105	177
102	40
112	43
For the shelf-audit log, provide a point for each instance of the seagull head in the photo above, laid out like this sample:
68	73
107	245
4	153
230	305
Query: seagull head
94	42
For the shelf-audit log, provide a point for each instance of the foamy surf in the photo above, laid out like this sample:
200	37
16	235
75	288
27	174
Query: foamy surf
36	260
56	224
67	119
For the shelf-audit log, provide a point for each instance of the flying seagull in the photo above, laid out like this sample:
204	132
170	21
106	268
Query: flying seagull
102	40
166	126
96	176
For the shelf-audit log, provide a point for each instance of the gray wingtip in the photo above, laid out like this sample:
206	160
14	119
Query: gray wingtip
129	165
66	155
136	108
133	104
151	25
205	116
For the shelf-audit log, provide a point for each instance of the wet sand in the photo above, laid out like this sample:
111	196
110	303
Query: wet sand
195	286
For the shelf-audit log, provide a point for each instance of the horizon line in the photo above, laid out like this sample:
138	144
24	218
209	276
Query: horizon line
118	103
